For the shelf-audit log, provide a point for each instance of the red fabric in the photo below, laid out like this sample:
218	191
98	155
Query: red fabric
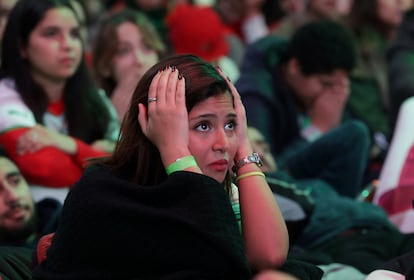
56	108
397	200
48	166
197	30
407	172
42	246
400	198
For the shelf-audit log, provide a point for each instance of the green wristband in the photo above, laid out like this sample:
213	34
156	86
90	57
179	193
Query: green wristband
181	164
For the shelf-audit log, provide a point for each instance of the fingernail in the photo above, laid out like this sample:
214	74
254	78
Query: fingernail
180	77
173	68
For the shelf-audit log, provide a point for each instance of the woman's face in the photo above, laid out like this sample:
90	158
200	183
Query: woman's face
54	48
213	140
390	11
133	56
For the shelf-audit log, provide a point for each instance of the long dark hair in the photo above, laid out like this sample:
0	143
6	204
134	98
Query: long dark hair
86	114
135	153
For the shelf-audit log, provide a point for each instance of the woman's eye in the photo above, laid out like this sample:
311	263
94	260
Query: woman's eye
202	127
50	32
146	47
122	50
230	126
14	181
75	33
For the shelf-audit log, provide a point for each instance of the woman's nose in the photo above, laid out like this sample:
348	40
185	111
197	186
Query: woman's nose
221	141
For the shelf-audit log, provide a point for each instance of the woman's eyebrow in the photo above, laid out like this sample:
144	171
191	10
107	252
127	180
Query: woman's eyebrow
13	174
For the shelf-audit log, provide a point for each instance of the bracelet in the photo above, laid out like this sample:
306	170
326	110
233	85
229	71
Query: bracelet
181	164
248	174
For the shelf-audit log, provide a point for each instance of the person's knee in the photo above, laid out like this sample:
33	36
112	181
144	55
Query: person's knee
357	133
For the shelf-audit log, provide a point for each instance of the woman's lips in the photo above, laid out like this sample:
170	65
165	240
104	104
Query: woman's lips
220	165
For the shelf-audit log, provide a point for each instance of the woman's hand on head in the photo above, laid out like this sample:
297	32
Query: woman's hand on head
39	137
165	121
245	147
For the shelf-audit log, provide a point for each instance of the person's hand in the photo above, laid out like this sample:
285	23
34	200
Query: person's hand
39	137
244	147
165	121
327	109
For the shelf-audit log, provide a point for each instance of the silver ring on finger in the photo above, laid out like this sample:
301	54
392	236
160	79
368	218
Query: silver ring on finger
152	99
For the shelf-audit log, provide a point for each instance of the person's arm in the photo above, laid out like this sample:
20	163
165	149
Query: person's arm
163	121
47	165
264	229
45	157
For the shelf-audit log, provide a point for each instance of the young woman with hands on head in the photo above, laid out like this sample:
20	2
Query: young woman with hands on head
168	188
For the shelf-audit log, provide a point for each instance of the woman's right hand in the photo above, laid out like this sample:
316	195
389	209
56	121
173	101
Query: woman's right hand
165	121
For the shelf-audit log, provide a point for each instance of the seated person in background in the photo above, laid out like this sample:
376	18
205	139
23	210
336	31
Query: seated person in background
168	188
52	116
155	10
125	46
294	93
339	229
373	24
22	221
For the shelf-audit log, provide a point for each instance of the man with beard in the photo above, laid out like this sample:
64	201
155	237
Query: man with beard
22	221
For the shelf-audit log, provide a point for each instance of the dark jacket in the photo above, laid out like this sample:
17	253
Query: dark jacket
270	105
183	228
